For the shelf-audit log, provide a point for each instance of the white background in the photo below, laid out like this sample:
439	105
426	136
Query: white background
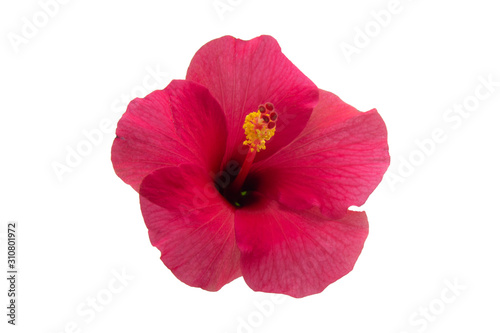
436	223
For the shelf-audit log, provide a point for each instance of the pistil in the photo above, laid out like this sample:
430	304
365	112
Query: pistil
259	127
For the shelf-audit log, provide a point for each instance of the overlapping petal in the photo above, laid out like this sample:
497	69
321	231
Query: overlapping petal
182	123
192	225
296	253
335	163
241	75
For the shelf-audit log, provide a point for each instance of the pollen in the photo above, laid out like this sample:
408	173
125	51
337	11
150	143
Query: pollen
260	126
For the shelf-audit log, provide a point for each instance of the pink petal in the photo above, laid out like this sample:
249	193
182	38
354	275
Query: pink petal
241	75
192	225
182	123
296	253
335	163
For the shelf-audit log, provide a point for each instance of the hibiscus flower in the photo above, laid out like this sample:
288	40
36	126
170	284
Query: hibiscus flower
247	169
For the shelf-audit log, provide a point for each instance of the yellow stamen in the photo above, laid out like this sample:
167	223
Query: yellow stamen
257	130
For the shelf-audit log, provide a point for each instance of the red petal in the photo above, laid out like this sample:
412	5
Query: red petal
297	254
241	75
335	163
192	225
182	123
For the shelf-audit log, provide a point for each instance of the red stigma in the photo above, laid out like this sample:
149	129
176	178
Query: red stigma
271	125
273	115
270	106
262	109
